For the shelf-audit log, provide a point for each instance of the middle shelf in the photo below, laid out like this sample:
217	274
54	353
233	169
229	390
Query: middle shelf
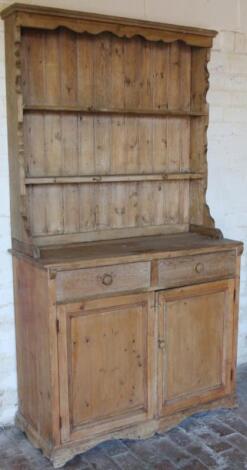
159	112
112	178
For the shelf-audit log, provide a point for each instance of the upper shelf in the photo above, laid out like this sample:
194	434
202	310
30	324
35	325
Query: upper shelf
115	111
32	16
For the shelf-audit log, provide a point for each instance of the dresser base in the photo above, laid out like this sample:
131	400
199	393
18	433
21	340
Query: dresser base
59	456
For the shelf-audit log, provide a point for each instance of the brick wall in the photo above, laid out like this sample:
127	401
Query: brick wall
227	157
227	151
8	395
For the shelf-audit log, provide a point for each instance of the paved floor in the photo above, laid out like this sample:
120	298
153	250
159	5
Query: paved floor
214	440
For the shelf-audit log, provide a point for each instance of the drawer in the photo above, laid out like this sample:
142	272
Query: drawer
187	270
79	283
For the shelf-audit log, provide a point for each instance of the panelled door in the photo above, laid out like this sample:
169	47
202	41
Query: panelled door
195	345
106	360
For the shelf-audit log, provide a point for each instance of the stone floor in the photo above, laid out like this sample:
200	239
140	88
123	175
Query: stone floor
214	440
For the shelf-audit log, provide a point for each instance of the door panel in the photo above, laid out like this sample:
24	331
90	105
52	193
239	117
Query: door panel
108	344
195	325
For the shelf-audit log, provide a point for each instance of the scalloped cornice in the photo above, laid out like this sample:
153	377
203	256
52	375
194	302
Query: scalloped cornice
53	18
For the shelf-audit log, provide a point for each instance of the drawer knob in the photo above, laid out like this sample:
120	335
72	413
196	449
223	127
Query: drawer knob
107	279
161	343
199	268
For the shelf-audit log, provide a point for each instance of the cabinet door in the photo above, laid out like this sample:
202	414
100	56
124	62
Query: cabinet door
105	358
195	345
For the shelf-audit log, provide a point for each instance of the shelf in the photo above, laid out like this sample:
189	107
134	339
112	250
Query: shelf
112	178
113	111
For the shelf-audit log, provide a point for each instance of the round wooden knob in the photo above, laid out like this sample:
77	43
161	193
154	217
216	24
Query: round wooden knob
161	343
199	268
107	279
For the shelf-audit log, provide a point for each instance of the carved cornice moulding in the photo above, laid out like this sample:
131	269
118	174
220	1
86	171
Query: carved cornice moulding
80	22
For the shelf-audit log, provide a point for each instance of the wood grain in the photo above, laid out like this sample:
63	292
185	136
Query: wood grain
194	363
107	132
71	285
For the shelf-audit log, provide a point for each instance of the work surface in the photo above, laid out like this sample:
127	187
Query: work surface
134	248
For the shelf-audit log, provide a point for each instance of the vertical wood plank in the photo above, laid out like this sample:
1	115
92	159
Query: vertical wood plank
86	155
69	131
158	198
133	205
132	144
52	69
34	87
172	203
160	65
145	145
102	142
54	209
85	69
53	144
146	76
102	74
34	144
199	79
174	77
71	208
103	203
68	63
118	146
88	208
37	210
160	143
145	203
185	76
173	144
132	66
117	73
120	205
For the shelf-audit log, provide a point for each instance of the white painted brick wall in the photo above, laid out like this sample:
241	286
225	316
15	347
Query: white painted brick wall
227	153
8	394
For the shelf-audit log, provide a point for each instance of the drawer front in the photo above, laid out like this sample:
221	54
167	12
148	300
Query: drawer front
78	283
192	269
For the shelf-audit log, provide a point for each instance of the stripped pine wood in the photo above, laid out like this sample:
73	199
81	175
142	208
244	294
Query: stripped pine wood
180	176
105	205
126	295
185	77
109	64
174	77
105	145
199	79
160	65
52	77
209	331
120	325
85	61
117	73
115	111
86	156
68	67
122	75
52	18
34	76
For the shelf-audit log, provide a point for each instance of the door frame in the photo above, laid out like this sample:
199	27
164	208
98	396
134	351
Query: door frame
168	407
111	423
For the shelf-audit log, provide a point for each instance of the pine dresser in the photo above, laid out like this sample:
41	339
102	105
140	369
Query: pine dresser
126	295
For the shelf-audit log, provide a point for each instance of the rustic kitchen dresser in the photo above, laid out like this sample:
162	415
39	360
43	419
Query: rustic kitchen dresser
126	295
